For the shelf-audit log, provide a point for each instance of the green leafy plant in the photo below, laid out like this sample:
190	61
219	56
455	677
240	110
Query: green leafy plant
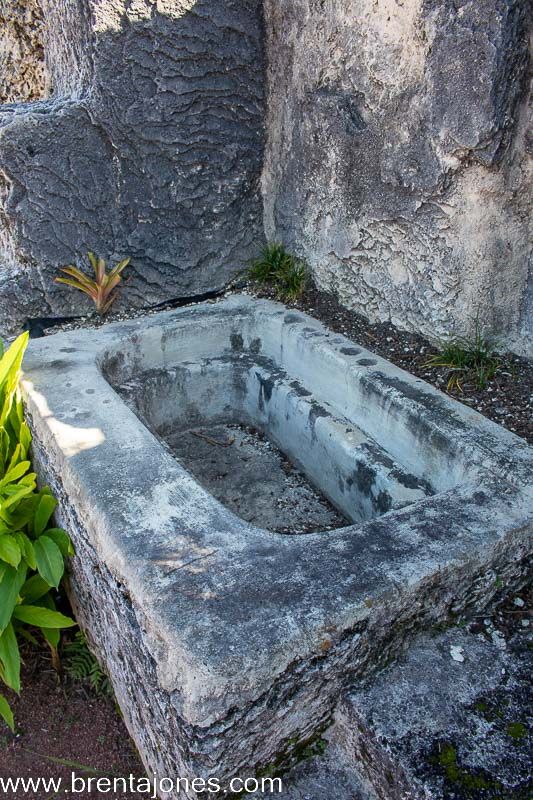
467	359
103	290
81	665
32	552
277	268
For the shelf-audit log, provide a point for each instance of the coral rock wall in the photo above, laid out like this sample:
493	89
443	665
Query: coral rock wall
22	71
397	160
150	146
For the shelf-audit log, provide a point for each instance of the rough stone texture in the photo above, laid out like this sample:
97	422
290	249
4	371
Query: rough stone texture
150	147
398	161
430	727
22	69
252	477
233	640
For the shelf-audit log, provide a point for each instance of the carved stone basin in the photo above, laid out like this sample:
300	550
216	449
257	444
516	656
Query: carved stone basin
227	641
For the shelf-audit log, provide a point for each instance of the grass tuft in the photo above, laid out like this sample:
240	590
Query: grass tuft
277	268
468	360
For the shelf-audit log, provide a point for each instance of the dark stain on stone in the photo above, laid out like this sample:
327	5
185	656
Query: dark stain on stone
290	318
479	498
411	481
382	503
365	477
61	365
89	391
378	454
412	392
113	365
68	350
266	385
315	412
255	345
237	344
300	390
350	351
367	362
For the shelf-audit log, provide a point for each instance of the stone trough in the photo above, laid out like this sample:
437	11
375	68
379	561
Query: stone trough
229	643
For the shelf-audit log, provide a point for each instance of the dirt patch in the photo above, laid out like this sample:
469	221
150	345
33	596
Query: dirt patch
62	728
249	475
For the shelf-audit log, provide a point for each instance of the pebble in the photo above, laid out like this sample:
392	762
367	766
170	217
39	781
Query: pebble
457	653
498	640
519	602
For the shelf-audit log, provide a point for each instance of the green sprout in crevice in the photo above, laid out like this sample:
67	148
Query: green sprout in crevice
468	359
279	270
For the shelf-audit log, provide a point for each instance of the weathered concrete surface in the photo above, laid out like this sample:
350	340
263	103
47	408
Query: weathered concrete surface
249	475
431	727
234	641
398	160
150	147
22	69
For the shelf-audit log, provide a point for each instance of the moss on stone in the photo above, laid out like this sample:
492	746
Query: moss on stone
517	730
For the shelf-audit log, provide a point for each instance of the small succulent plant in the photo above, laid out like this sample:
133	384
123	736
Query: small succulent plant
103	289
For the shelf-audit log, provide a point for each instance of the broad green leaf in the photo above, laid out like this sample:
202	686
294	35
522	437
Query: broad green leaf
11	361
7	405
29	480
26	548
62	539
19	517
19	411
15	498
49	560
10	658
9	550
25	436
42	617
15	458
16	472
6	713
10	586
34	588
52	635
44	511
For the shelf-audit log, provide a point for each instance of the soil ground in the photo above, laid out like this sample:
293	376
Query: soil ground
62	727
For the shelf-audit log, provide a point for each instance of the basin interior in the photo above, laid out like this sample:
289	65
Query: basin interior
252	477
220	402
